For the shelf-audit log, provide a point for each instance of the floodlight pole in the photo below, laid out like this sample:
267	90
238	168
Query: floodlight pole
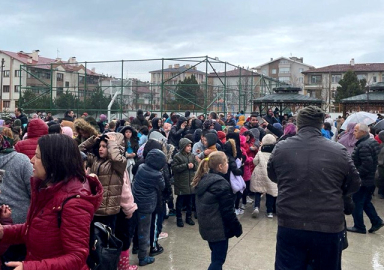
110	105
1	84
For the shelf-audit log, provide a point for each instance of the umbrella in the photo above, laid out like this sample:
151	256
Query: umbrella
379	125
360	117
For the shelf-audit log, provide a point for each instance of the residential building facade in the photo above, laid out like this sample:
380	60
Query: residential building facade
29	71
323	82
288	70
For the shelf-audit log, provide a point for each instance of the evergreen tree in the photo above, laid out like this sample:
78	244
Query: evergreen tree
350	86
189	93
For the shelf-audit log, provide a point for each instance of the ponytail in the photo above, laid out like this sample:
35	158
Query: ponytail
211	162
201	170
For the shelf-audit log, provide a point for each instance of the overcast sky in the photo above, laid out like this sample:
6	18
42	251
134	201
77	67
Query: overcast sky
245	33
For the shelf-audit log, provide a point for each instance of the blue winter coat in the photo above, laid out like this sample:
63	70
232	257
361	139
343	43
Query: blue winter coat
148	181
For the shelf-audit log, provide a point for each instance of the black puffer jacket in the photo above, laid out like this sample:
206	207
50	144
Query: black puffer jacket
149	181
139	121
177	133
232	166
365	158
312	175
215	209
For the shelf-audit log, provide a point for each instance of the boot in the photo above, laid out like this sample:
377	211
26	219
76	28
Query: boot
124	262
180	222
156	250
189	221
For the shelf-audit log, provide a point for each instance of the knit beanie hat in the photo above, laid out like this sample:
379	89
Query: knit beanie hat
17	123
268	139
381	136
103	117
310	116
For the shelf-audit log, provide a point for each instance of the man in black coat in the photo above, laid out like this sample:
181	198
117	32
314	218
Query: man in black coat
19	115
140	120
365	158
312	174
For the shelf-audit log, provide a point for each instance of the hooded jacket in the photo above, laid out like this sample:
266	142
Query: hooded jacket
196	124
177	132
155	127
50	246
135	146
183	175
16	187
139	121
215	209
312	175
110	171
149	181
81	124
36	129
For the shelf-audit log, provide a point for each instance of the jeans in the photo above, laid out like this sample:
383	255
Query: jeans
218	254
363	202
238	198
156	226
179	204
270	202
143	233
298	249
246	191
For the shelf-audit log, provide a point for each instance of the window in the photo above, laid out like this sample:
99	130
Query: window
17	73
6	104
382	78
284	62
333	94
60	77
17	88
336	78
285	70
301	80
67	84
6	73
60	91
284	79
81	79
361	76
315	79
5	88
301	70
274	71
374	79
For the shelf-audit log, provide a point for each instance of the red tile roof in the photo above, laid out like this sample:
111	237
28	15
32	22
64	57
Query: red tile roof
45	63
340	68
234	73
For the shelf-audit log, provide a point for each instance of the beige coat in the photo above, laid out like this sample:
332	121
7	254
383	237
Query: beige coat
110	172
259	180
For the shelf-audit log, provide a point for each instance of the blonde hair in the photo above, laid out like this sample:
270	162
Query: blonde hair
211	162
233	144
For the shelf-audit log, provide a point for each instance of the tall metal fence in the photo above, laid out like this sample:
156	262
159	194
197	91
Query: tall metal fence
197	84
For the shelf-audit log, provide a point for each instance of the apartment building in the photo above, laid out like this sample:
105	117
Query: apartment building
30	71
288	70
171	76
136	93
323	82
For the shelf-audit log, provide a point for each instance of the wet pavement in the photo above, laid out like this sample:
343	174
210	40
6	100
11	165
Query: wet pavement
255	249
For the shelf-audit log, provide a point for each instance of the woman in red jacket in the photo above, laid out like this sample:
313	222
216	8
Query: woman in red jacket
58	176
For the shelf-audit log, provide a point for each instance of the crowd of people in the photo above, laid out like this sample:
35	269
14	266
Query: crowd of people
126	174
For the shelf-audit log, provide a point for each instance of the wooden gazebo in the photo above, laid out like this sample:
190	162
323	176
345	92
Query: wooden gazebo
283	98
373	100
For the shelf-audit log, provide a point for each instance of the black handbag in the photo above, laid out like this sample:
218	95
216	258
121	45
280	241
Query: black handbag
104	248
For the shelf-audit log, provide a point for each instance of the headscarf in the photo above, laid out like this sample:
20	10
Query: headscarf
348	140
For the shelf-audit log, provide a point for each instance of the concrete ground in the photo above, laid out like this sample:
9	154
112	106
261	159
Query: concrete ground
255	249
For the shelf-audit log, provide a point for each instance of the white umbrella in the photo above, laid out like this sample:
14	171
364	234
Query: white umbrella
360	117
